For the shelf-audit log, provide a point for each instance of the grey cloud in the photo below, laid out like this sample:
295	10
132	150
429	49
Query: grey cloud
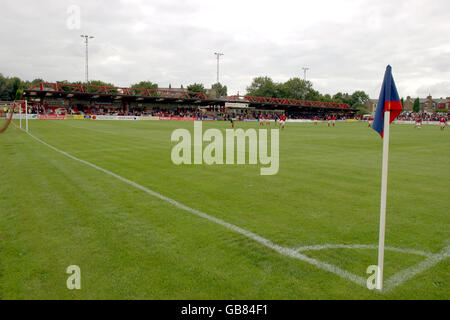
166	42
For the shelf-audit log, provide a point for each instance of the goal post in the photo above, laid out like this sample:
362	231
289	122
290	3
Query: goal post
21	107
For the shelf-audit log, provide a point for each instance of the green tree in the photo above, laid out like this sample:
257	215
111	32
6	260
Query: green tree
338	97
416	106
28	84
264	87
295	88
19	94
221	91
145	85
12	88
4	88
361	109
328	97
100	83
16	85
93	83
359	98
67	88
313	95
196	87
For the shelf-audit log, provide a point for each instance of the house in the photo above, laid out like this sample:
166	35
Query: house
427	104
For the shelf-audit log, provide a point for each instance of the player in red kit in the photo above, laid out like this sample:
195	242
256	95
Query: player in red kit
418	123
232	122
443	123
315	120
282	121
329	121
333	120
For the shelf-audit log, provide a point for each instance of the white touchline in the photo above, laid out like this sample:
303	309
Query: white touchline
267	243
399	278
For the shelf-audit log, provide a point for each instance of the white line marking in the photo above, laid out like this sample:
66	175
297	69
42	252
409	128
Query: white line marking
361	246
391	283
253	236
401	276
105	150
406	274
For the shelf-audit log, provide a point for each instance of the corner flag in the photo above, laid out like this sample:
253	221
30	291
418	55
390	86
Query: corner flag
388	108
389	101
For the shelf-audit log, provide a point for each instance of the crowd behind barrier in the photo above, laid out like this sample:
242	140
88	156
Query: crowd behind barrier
219	113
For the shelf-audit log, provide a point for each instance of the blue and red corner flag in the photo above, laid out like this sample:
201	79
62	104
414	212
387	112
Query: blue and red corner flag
389	101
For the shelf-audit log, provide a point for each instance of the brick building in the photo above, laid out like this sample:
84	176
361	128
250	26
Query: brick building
428	104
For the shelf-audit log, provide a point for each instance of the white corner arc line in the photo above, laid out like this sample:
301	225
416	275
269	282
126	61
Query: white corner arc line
248	234
391	283
361	246
400	277
406	274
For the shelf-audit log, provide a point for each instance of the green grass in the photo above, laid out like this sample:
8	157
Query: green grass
56	212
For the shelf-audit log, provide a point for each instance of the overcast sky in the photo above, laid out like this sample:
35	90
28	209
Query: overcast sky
345	43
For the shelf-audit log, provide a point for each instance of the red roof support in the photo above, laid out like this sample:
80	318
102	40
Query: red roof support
182	95
107	90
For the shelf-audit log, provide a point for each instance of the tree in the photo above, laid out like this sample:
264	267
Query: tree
9	87
339	97
359	98
221	91
16	85
326	98
263	87
67	88
145	85
416	106
36	81
361	110
295	88
196	87
27	84
12	88
313	95
98	83
19	94
4	88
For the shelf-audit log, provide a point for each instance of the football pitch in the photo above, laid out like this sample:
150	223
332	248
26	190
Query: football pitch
105	196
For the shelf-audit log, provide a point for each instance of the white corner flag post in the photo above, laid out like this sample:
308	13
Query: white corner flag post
26	115
384	179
